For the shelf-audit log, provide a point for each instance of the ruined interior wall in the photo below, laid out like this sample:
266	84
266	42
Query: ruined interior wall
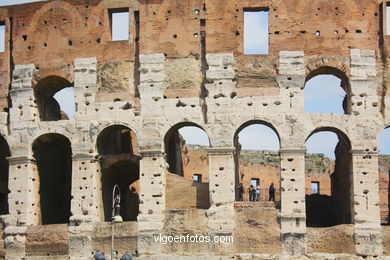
341	186
257	229
195	161
185	194
331	240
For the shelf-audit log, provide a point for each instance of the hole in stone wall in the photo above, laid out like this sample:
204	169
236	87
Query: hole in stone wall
186	147
326	91
328	175
53	154
256	31
2	36
120	166
257	158
387	22
384	175
119	21
55	99
4	168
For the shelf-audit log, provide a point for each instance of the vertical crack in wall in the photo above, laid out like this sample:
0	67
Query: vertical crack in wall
136	53
203	93
11	67
383	55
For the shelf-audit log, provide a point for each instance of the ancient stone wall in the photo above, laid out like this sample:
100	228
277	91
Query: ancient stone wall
183	64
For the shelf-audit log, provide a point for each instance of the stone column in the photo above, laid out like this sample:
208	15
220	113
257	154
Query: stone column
363	81
24	205
85	87
292	214
291	80
152	83
152	200
222	180
365	206
22	95
86	204
24	199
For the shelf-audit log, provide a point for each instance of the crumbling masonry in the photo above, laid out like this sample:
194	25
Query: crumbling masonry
183	64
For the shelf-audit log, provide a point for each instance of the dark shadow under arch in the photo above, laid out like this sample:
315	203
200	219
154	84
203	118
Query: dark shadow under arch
53	155
323	210
172	146
4	173
48	107
116	145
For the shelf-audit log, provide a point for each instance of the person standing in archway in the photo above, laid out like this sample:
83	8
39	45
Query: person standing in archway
241	190
271	192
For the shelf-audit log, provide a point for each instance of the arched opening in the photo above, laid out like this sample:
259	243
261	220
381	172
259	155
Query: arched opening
327	91
4	168
55	99
53	155
120	166
188	170
328	179
384	176
257	162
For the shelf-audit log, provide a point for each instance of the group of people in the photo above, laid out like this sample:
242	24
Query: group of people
255	192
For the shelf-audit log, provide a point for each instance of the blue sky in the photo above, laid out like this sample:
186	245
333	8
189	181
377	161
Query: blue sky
322	94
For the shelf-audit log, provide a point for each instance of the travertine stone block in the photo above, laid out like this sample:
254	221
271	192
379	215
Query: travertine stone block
152	186
222	190
86	203
292	214
24	199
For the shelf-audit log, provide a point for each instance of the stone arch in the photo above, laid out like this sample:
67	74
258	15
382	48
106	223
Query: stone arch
65	72
116	145
338	72
335	206
53	155
172	146
44	90
55	130
37	18
261	168
384	175
187	177
335	129
98	129
257	121
4	174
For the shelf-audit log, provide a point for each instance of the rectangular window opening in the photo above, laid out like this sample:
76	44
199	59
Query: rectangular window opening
119	21
2	36
315	187
255	182
197	177
387	18
256	31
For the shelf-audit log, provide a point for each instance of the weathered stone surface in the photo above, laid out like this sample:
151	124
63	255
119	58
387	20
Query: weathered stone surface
331	240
